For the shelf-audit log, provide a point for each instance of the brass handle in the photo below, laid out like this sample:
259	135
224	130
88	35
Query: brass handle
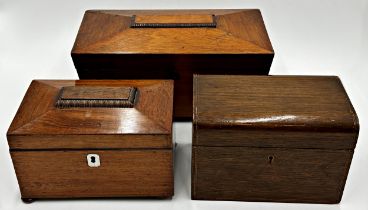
87	96
173	21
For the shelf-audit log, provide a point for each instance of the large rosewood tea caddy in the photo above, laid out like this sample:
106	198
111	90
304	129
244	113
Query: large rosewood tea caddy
172	44
81	139
275	138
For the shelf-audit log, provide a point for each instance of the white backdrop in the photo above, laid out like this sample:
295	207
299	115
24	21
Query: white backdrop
326	37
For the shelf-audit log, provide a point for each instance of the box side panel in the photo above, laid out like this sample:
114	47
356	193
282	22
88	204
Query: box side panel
170	66
269	174
122	173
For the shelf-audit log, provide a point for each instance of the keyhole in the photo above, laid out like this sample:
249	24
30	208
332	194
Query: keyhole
93	160
270	159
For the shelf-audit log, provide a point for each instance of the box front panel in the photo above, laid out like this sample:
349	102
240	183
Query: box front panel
110	173
269	174
171	66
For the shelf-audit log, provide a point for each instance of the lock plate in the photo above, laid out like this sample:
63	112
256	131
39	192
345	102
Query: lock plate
93	160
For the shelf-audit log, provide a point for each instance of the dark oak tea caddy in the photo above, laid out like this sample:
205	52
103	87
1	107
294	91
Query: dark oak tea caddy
271	138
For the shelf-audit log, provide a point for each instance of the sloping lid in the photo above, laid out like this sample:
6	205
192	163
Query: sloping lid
172	32
273	111
76	114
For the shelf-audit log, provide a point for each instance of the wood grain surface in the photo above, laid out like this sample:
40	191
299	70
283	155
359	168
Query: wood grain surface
107	47
122	173
49	145
39	121
287	111
108	97
241	28
112	93
271	138
269	174
174	18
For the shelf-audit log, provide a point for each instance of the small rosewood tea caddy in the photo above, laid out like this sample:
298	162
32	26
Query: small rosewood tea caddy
172	44
271	138
85	138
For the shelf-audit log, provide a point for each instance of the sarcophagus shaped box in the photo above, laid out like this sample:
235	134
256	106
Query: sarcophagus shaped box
105	138
172	44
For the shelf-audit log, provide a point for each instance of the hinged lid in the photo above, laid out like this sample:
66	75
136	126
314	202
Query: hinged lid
84	114
172	32
273	111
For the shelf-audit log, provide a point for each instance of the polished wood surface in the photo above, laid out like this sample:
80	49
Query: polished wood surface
107	47
271	138
237	32
108	97
72	127
122	173
49	145
96	93
309	110
173	18
269	174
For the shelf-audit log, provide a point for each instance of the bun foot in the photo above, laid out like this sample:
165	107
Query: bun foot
27	200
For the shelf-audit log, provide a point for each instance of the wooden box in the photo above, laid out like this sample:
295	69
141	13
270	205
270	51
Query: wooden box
104	138
172	44
271	138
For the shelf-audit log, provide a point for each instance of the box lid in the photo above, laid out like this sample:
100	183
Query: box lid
71	114
273	111
172	32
